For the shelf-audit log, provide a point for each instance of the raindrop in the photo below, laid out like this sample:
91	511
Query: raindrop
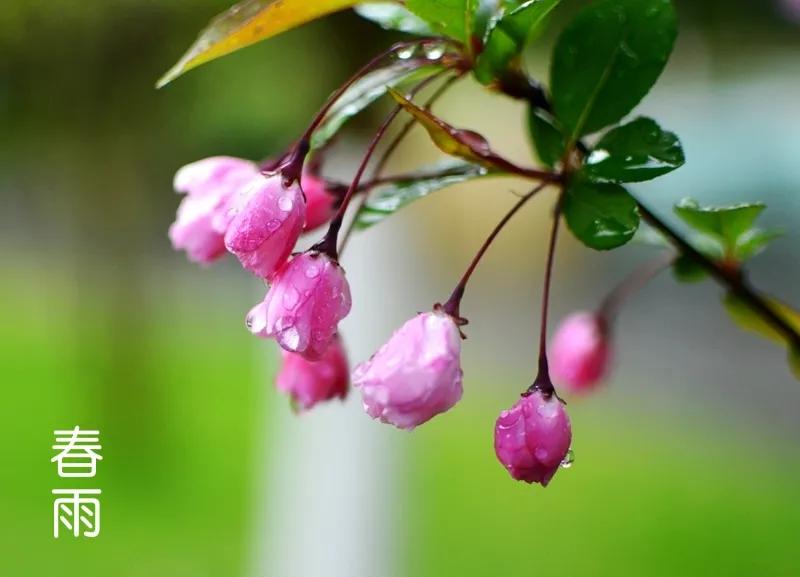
406	53
434	52
568	460
285	203
273	225
312	272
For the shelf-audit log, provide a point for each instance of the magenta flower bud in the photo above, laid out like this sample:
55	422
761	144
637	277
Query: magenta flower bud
580	355
320	204
310	382
267	220
532	439
209	185
414	376
308	297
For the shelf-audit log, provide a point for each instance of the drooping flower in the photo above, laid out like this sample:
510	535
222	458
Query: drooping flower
580	355
267	220
416	375
209	185
532	439
320	203
310	382
308	297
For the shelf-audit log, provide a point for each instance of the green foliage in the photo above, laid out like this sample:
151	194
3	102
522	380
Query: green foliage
514	25
449	17
634	152
688	270
547	137
601	215
393	196
726	231
607	59
392	16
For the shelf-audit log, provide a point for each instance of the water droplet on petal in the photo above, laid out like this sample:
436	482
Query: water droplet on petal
290	338
568	460
273	225
312	272
434	52
285	203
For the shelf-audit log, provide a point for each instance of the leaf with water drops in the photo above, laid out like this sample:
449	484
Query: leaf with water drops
607	59
249	22
515	24
548	140
634	152
393	196
366	91
601	215
393	16
449	17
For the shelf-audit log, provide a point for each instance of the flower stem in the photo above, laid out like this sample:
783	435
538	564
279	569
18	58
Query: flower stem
633	283
453	304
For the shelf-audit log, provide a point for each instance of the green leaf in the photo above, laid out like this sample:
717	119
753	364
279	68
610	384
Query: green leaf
607	59
249	22
686	269
392	16
363	93
392	197
547	138
754	241
450	17
602	215
794	362
517	23
634	152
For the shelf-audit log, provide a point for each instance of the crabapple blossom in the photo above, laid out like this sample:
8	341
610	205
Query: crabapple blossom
310	382
203	218
308	297
416	375
532	439
320	203
267	219
580	353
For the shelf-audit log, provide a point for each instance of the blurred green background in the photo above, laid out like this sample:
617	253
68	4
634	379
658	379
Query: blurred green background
688	464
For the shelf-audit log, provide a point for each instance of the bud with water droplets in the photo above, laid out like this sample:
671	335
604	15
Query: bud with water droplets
267	220
580	355
308	297
209	185
533	438
310	382
320	203
416	375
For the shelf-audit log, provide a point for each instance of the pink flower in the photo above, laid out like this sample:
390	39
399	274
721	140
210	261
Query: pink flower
310	382
532	439
414	376
580	355
320	204
209	185
308	297
268	218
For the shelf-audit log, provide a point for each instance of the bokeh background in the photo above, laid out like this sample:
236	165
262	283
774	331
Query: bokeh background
687	464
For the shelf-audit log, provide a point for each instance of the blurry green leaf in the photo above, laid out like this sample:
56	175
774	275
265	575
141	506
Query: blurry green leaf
686	269
754	241
794	362
392	197
634	152
517	23
602	216
450	17
547	138
363	93
393	16
607	59
465	144
249	22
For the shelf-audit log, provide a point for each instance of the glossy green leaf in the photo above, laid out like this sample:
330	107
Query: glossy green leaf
449	17
601	215
547	138
686	269
516	24
393	16
607	59
754	241
634	152
364	92
390	198
249	22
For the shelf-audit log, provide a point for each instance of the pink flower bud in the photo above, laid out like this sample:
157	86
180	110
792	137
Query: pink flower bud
414	376
209	185
310	382
320	204
308	297
580	354
532	439
267	220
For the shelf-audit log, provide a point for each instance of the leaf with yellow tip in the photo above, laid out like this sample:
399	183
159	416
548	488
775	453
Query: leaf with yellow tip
249	22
